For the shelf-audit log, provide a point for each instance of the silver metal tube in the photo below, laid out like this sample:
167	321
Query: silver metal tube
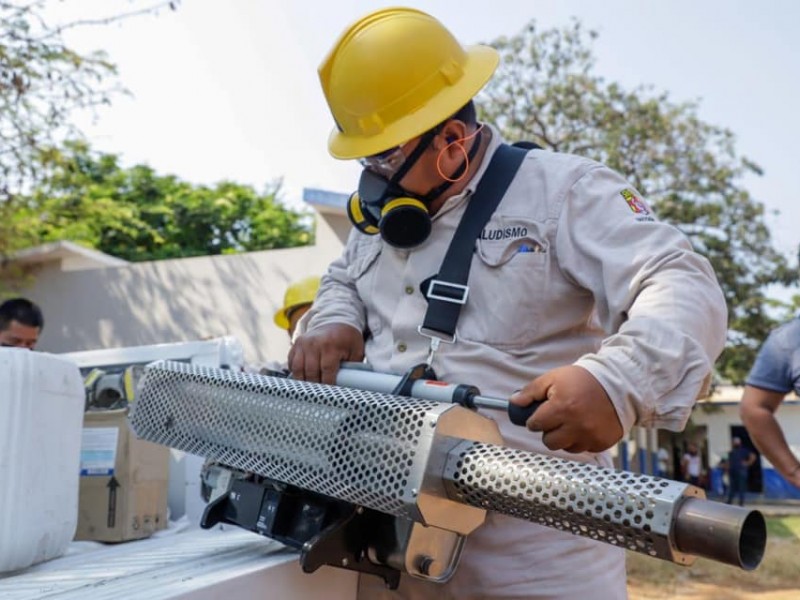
489	402
666	519
729	534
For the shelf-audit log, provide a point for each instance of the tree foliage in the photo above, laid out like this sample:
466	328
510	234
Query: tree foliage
135	214
53	187
546	91
43	84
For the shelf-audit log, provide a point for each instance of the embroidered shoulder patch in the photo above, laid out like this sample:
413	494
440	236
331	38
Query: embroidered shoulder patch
635	203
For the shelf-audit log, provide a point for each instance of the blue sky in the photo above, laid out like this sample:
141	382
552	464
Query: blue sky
229	90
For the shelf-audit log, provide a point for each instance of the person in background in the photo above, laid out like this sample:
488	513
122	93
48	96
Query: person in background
578	294
21	323
663	458
725	475
775	373
739	461
691	465
296	301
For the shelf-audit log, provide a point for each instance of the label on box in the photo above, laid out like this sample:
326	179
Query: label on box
99	450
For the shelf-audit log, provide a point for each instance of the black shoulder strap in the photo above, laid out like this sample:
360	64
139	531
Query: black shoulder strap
447	292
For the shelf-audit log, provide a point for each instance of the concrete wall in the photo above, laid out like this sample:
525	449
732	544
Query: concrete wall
175	300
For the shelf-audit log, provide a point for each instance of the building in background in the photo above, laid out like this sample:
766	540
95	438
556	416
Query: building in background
96	301
720	416
714	423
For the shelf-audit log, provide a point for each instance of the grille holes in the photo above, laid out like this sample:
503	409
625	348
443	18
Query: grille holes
601	504
351	444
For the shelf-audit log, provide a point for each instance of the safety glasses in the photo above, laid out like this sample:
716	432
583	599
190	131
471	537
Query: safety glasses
393	164
384	163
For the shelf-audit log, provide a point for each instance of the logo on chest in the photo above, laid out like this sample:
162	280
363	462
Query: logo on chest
504	233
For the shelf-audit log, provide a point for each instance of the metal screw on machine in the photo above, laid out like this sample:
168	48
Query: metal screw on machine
425	563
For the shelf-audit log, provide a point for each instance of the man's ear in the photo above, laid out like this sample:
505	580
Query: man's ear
453	131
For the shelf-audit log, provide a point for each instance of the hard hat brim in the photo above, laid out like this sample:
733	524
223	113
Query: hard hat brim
480	65
281	320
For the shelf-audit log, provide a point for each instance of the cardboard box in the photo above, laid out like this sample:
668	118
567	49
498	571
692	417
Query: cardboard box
123	483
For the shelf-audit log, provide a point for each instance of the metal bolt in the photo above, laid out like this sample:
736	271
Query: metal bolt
425	563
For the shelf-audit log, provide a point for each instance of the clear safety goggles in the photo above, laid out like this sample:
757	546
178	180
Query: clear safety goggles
385	163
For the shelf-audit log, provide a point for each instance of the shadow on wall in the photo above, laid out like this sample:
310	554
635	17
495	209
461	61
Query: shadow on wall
174	301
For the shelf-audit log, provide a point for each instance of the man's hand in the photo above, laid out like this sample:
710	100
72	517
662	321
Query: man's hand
316	355
578	415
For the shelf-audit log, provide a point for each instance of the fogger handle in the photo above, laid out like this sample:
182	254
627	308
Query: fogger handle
361	376
519	415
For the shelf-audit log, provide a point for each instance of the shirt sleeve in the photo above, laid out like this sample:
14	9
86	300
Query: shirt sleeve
337	300
777	365
658	301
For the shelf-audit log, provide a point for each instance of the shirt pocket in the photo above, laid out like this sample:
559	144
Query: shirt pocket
506	291
363	271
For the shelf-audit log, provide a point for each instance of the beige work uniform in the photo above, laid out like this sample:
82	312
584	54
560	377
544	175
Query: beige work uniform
572	268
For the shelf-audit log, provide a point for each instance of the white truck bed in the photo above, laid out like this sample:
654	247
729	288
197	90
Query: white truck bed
196	564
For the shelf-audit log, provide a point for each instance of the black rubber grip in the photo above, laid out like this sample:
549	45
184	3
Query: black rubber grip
520	414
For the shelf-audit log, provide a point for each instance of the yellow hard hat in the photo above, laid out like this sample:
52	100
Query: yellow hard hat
297	294
395	74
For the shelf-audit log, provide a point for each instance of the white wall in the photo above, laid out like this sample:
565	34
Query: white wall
175	300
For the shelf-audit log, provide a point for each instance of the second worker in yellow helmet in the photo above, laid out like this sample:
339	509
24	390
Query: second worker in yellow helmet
578	294
297	300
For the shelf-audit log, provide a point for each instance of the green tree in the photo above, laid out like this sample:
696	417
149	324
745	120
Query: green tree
43	83
546	91
135	214
53	187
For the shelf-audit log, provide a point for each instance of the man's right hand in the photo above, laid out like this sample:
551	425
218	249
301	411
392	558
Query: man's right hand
316	355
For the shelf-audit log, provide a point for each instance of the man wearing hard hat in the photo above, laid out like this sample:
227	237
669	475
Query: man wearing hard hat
296	301
576	295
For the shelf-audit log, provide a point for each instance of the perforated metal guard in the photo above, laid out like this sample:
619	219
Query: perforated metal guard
417	459
362	447
617	507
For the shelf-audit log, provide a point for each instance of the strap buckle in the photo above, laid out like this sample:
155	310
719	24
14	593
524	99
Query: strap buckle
455	292
436	337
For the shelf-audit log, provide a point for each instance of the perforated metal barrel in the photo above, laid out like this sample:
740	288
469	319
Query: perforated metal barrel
408	457
362	447
659	517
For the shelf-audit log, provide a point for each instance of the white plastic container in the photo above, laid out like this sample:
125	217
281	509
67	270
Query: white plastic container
41	416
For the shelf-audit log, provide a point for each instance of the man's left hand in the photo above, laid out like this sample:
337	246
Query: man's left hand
578	415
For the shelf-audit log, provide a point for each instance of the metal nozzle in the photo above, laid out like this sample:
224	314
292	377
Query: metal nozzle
729	534
665	519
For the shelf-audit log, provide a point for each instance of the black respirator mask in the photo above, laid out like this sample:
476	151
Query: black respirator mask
382	206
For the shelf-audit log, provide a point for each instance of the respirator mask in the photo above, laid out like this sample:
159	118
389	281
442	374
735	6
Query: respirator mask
382	206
